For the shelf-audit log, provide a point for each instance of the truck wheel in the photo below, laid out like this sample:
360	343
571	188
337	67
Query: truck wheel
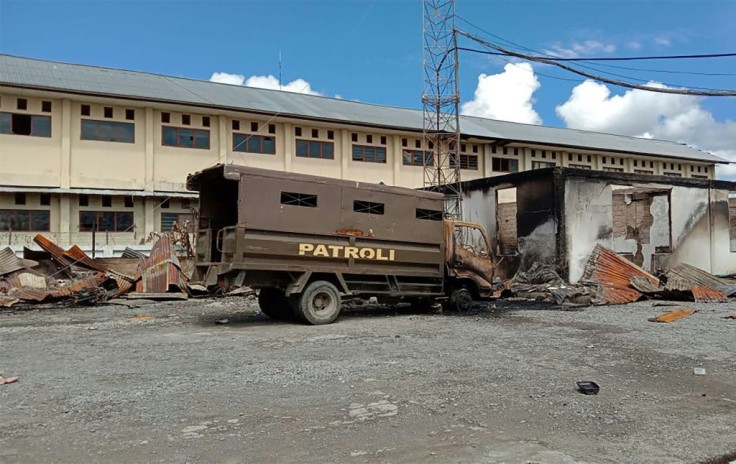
319	303
274	304
460	299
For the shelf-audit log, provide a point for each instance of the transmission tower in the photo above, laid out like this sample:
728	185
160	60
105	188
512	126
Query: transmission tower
440	99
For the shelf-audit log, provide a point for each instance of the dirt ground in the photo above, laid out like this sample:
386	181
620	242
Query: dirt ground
164	383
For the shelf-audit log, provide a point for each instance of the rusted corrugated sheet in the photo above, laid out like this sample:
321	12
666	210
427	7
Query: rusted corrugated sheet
56	252
81	258
37	294
124	282
9	262
684	277
161	269
644	285
613	274
708	295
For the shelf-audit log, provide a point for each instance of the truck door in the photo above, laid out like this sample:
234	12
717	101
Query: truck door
470	252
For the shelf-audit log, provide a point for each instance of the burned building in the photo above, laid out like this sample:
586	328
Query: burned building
556	217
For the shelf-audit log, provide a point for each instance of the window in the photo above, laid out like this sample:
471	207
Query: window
298	131
542	165
85	110
315	133
417	158
206	121
106	201
383	140
429	214
354	137
83	200
130	115
418	144
254	144
185	138
129	201
580	166
475	148
106	221
166	204
20	198
108	112
298	199
368	138
672	174
236	125
314	149
168	220
108	131
186	120
46	106
330	135
642	171
613	169
367	207
24	220
369	154
466	161
22	104
166	117
25	124
699	176
44	199
405	143
254	127
505	165
272	128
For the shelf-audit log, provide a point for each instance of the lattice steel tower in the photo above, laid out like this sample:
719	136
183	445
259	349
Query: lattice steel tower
440	99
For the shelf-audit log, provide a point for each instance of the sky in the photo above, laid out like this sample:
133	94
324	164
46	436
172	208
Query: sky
371	51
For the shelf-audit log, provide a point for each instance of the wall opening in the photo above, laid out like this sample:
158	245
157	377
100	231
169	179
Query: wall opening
506	236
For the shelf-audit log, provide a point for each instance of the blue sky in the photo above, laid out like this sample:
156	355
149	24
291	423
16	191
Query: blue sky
371	51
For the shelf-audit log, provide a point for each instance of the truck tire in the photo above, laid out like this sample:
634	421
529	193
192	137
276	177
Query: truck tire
274	304
460	300
319	303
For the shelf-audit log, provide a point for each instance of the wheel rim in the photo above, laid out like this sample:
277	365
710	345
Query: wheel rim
464	302
322	303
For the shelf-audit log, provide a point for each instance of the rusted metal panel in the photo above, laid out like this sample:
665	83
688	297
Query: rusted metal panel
56	252
9	262
124	282
81	258
708	295
161	269
684	277
613	274
644	285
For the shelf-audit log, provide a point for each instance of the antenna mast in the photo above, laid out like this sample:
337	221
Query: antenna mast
440	99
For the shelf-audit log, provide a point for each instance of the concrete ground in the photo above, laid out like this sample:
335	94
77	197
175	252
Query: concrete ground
164	383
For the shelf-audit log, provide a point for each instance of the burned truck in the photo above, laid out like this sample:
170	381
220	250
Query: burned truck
305	242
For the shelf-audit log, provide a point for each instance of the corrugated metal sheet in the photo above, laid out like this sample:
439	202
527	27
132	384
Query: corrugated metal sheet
644	285
684	277
9	262
56	252
613	274
34	73
81	258
39	295
124	282
708	295
161	269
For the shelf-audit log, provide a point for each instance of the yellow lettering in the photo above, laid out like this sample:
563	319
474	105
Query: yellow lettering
379	255
335	250
321	250
391	255
367	253
305	248
351	252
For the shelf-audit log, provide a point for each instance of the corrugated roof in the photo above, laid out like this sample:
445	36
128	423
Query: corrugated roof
32	73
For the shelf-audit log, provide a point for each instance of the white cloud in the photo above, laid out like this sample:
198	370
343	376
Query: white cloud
578	49
507	96
226	78
664	41
634	45
264	82
651	115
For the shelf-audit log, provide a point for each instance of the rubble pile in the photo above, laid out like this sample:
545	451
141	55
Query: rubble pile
71	276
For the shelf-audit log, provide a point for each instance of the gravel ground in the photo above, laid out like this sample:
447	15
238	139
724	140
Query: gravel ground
98	384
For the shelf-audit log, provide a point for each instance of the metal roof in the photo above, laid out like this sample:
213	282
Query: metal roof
92	80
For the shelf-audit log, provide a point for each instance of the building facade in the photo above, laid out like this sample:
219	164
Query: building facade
85	148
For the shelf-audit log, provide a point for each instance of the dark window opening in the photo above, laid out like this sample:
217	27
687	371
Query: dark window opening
418	144
505	165
44	199
106	221
236	124
25	220
569	156
298	131
431	145
206	121
108	112
544	154
166	117
330	135
429	214
83	200
186	119
130	115
354	137
20	198
315	133
367	207
299	199
475	148
463	147
254	127
22	104
272	128
25	124
404	142
85	110
314	149
46	106
369	154
383	140
129	201
166	204
621	161
368	138
590	159
505	150
106	202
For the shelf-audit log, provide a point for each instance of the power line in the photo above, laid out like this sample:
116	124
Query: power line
655	57
554	62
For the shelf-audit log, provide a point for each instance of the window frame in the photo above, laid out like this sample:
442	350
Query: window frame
322	144
424	155
99	213
465	161
497	161
32	117
369	207
194	137
5	226
363	149
246	145
302	200
98	122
